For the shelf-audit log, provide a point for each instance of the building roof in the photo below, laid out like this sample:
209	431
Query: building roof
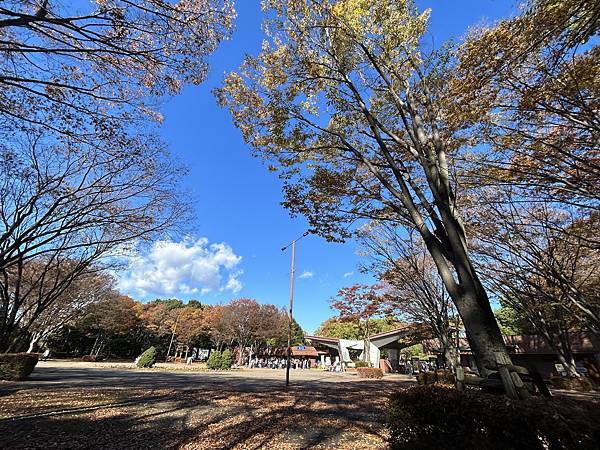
411	328
397	338
532	344
304	350
322	339
581	342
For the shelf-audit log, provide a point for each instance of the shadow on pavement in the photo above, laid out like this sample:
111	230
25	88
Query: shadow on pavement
205	411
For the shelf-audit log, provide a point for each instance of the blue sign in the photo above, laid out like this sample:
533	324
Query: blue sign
301	347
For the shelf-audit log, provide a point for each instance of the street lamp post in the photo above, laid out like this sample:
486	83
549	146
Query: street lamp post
172	337
289	343
290	316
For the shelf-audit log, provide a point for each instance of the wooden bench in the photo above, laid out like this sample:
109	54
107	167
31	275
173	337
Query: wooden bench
516	381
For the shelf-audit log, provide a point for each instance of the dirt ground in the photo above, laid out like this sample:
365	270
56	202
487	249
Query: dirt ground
90	405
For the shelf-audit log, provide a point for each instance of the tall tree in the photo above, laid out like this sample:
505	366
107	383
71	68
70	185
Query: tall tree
360	304
192	328
248	323
345	102
114	315
543	271
414	291
67	306
83	176
102	60
530	85
273	326
85	205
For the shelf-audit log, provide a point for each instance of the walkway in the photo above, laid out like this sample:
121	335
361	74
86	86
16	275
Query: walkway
81	405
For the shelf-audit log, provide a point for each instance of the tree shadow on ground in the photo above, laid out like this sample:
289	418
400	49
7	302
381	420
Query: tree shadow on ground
344	415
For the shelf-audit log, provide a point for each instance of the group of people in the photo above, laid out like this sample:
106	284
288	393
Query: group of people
333	366
277	363
412	367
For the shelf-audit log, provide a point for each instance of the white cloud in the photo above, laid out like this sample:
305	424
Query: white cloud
306	274
348	274
183	268
233	284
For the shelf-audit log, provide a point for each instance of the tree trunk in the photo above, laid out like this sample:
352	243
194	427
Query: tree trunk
33	343
366	344
449	352
474	308
569	365
95	344
241	355
467	294
482	330
565	355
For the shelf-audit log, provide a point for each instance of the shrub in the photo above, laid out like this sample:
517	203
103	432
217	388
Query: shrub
226	360
444	376
425	378
214	361
438	376
573	384
361	363
433	416
17	366
148	358
92	358
369	372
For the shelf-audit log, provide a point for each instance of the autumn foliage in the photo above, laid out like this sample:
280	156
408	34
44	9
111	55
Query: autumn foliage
120	326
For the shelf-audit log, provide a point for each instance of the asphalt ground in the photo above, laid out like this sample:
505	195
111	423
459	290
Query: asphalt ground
91	405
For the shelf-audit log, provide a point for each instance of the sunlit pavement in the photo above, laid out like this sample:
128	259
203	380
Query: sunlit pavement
106	405
74	373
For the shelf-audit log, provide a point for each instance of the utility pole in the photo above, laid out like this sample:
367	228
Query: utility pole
290	316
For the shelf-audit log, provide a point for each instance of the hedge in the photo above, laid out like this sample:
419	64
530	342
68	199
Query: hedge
369	372
431	416
17	366
148	358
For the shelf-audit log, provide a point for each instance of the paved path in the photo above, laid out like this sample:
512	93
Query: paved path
90	405
60	374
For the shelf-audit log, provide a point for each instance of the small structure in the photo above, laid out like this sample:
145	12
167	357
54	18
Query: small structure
181	353
392	341
532	351
306	353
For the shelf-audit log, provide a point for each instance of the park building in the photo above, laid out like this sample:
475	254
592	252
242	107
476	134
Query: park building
529	351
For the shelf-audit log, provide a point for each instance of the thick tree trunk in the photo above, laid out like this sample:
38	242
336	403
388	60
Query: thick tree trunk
450	353
482	330
473	306
568	364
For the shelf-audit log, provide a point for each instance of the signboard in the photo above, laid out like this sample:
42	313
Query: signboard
560	369
301	347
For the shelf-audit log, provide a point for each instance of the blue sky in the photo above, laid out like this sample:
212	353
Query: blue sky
239	225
